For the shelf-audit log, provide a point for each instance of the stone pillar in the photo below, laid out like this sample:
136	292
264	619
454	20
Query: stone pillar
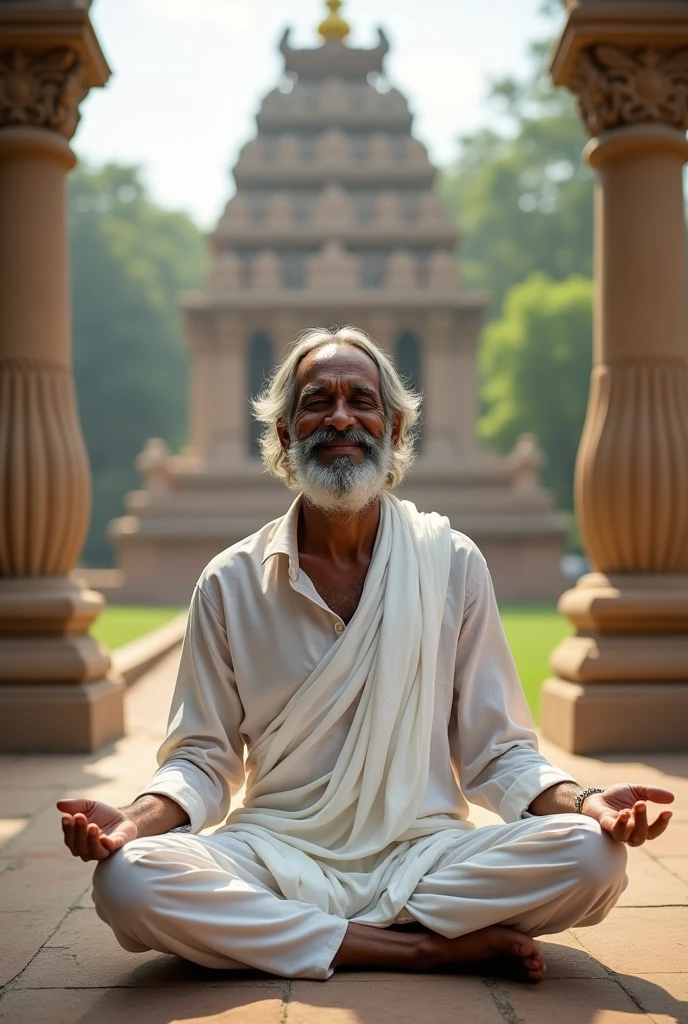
439	411
56	692
201	371
622	681
465	398
226	393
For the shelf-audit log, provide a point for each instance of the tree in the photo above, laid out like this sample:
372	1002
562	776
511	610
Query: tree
521	194
130	260
536	363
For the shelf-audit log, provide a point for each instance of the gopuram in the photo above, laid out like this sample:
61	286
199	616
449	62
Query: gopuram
335	221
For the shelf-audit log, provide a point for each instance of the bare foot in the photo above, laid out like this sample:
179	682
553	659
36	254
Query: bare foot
488	944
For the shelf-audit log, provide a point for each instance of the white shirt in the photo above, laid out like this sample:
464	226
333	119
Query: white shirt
258	627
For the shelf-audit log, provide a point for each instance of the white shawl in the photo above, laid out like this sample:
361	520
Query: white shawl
351	842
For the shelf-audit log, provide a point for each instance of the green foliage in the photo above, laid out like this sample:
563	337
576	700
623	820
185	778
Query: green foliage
535	363
522	198
130	259
521	195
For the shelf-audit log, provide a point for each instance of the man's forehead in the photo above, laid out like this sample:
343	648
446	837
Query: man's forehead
332	362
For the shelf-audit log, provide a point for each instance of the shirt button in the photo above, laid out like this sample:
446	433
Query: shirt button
339	627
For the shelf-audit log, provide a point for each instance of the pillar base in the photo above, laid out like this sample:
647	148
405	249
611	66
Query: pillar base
57	691
61	718
597	718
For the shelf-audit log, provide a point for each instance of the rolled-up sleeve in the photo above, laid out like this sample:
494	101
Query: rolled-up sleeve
201	759
494	746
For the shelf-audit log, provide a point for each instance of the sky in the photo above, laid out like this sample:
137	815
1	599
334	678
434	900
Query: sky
188	77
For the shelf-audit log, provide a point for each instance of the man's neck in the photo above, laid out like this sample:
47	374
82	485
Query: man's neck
345	539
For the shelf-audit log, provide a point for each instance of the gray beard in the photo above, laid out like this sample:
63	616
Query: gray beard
341	486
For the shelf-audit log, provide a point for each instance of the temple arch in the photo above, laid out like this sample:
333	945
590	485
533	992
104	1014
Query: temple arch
259	364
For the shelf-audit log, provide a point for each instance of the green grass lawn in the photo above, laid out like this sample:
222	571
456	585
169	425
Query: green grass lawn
119	625
533	631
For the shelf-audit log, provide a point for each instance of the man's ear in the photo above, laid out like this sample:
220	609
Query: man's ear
283	434
396	429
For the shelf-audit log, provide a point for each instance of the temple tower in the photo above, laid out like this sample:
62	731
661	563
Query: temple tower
335	220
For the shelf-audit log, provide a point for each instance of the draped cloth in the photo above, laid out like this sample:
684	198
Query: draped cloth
352	842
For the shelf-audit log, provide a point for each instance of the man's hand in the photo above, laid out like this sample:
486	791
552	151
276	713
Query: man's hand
94	830
622	812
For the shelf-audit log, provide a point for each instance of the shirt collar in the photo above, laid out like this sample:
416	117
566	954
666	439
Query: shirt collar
285	538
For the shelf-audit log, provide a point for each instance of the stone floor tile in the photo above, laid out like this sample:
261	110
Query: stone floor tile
634	940
674	842
663	996
34	771
85	900
24	801
39	885
239	1004
565	957
83	953
10	828
22	933
651	884
397	999
677	865
43	833
570	1001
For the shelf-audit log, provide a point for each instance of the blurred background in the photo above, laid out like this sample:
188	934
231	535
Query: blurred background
156	149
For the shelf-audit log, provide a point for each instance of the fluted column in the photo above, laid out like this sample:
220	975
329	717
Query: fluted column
622	681
56	692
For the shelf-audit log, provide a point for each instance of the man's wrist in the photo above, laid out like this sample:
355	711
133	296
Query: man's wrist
579	802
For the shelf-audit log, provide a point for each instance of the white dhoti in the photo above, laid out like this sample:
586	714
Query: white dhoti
211	900
342	821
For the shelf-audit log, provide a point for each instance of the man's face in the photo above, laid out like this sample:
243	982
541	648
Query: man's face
339	441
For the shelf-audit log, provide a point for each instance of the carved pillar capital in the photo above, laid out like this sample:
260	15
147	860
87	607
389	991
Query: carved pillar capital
617	86
49	59
42	89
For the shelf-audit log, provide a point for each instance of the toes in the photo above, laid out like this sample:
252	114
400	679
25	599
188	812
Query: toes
524	947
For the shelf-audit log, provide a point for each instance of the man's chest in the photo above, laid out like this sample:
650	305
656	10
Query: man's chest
339	588
280	630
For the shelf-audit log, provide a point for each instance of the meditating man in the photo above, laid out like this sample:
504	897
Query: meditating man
353	650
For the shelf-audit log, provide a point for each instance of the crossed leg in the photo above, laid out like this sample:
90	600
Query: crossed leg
496	889
209	899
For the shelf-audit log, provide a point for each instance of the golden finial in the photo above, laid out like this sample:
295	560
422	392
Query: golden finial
334	26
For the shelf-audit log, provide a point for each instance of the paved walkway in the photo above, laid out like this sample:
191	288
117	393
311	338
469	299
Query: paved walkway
60	964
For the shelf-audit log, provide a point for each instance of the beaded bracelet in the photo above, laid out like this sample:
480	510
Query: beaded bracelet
578	802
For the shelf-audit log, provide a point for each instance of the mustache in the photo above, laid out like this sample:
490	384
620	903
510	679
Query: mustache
328	435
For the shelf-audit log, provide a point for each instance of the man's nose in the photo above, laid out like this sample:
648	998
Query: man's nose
341	417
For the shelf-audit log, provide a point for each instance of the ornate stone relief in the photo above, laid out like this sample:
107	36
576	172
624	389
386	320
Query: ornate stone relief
442	274
620	87
333	268
41	90
402	270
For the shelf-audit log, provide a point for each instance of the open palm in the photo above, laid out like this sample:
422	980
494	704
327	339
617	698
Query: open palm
93	830
621	810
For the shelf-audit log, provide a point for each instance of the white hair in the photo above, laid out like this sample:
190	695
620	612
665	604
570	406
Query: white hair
277	401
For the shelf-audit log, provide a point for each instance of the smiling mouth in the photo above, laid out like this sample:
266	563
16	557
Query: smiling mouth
339	445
